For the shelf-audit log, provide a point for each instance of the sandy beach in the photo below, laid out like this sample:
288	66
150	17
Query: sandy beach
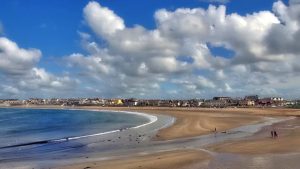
172	159
193	122
288	141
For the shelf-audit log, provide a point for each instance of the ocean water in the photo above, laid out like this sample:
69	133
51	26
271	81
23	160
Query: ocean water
22	126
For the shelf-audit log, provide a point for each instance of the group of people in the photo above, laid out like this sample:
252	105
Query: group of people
274	134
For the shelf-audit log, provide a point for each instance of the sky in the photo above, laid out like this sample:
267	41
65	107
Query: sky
149	49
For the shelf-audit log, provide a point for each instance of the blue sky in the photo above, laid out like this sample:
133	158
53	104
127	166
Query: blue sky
68	36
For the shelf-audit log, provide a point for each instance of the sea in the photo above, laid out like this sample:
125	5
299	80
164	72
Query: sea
25	126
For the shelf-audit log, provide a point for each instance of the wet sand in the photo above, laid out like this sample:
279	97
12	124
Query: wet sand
288	141
260	150
173	160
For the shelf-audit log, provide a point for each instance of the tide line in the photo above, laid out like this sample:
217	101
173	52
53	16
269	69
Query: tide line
152	119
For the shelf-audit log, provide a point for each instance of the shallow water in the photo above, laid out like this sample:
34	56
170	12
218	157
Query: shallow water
19	126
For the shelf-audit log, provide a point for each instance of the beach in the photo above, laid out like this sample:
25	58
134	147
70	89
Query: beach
173	159
178	145
288	141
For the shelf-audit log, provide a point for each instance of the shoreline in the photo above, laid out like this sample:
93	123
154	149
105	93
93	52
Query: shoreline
152	119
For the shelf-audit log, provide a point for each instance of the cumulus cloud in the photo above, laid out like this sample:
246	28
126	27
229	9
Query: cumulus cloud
39	78
102	20
10	90
22	78
177	55
283	38
15	60
292	2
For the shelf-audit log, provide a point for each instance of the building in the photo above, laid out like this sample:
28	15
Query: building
13	102
222	98
277	99
131	102
246	103
215	103
197	102
117	102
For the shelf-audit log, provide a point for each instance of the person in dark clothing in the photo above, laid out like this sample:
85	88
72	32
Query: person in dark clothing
272	133
275	134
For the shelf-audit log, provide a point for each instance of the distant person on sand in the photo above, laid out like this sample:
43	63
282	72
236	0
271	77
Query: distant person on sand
272	133
275	134
215	132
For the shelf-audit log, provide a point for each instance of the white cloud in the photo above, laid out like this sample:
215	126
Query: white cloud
93	64
20	76
293	2
10	90
203	82
102	20
38	78
15	60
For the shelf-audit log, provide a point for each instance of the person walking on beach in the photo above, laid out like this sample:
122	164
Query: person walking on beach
272	133
275	134
215	132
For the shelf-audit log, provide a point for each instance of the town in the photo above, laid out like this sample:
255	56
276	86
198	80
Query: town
215	102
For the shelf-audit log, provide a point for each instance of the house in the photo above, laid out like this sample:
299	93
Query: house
222	98
13	102
265	102
165	103
36	101
131	102
215	103
246	103
275	99
196	102
117	102
185	103
278	101
152	103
